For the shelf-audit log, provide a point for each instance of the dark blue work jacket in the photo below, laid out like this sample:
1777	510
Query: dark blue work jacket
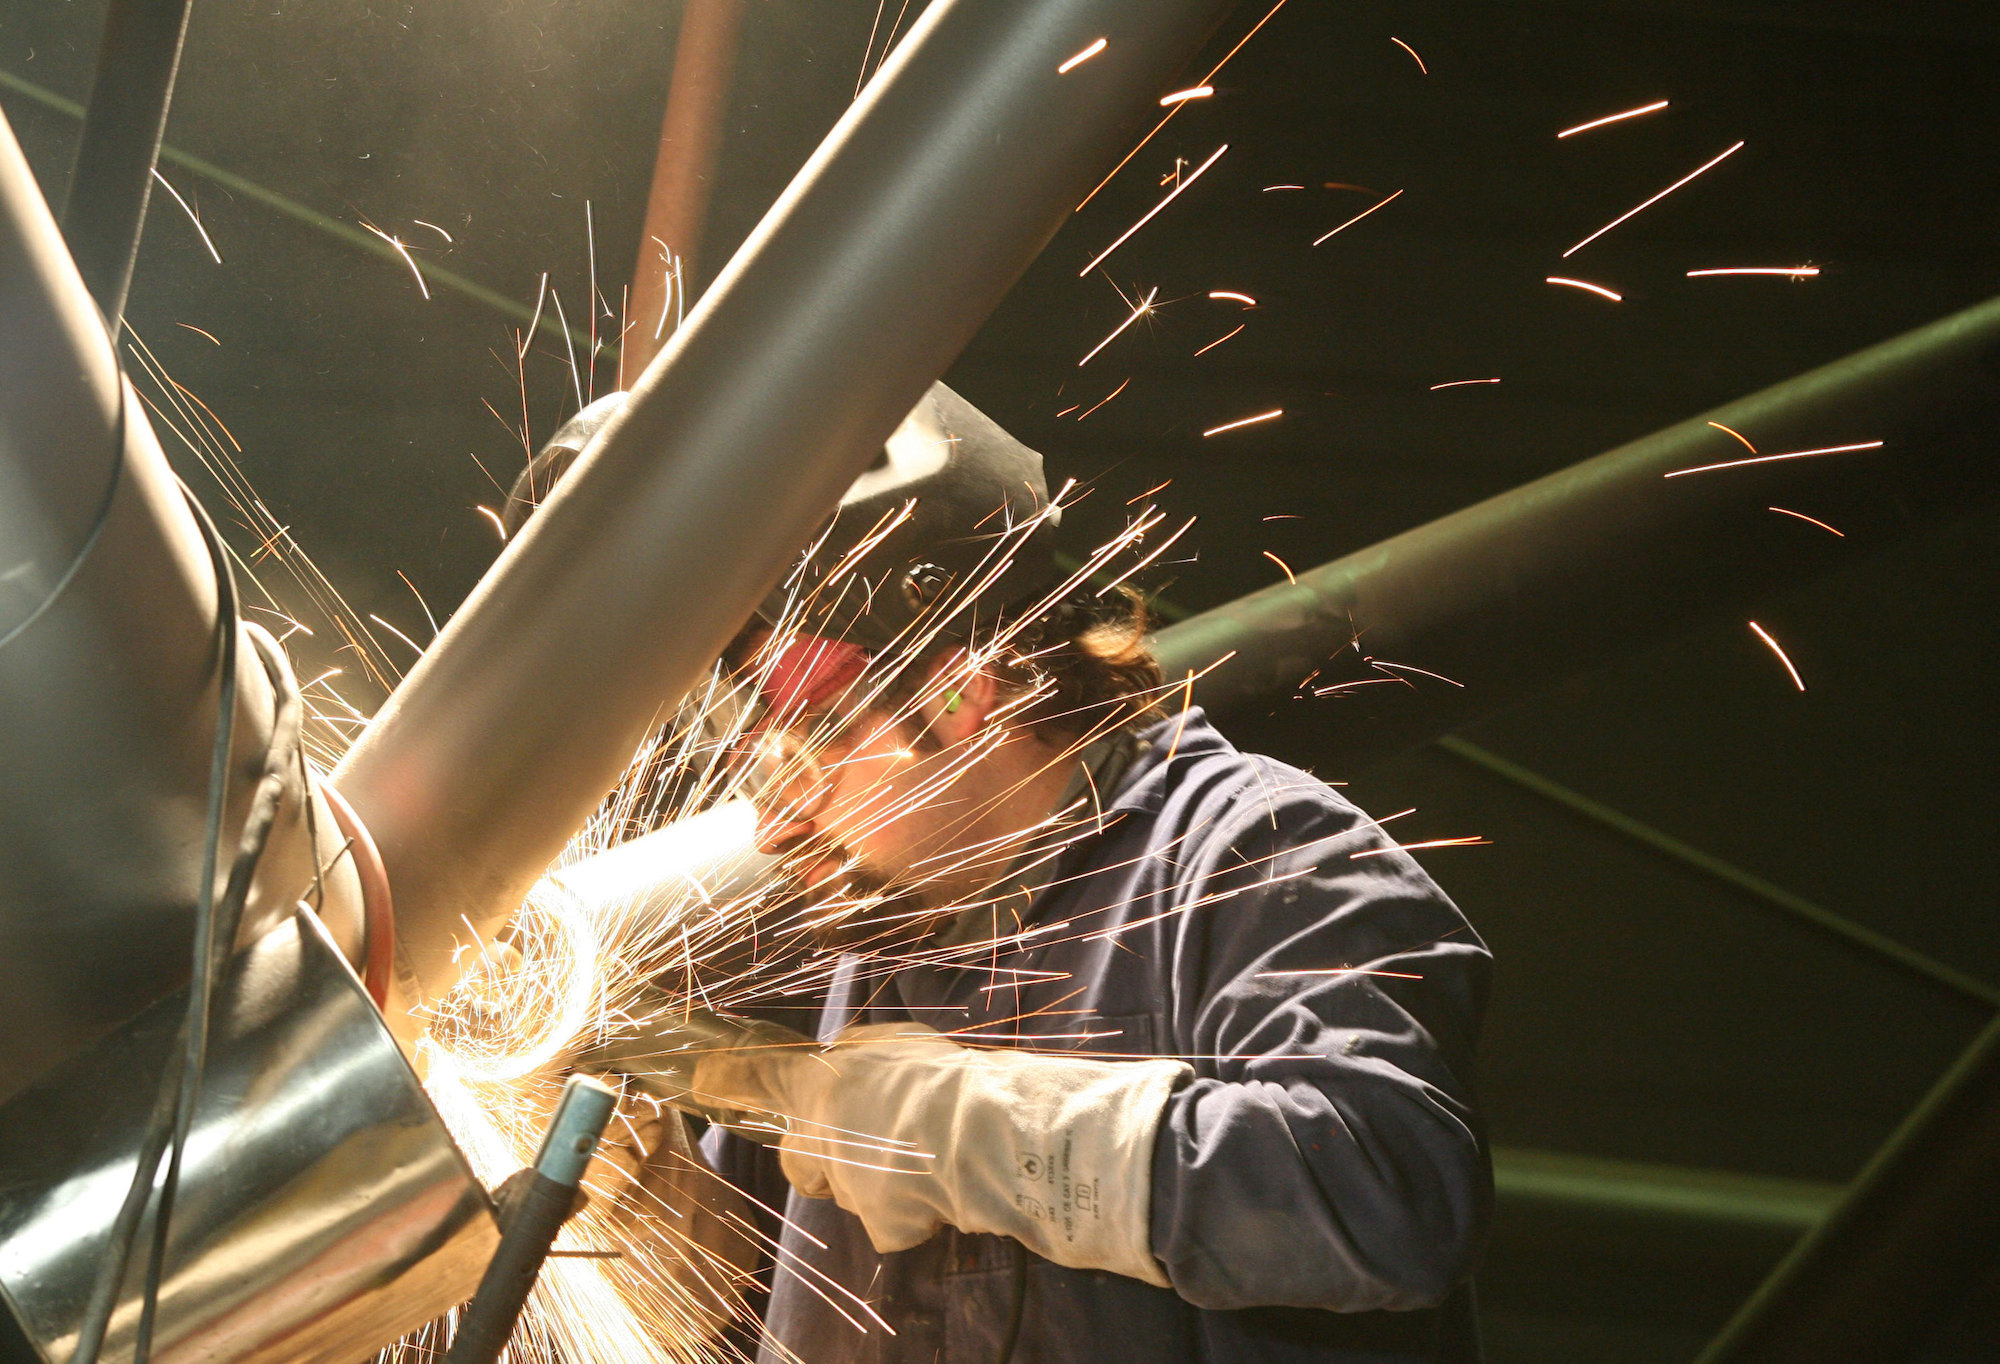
1319	1190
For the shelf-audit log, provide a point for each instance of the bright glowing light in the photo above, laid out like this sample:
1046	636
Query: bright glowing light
1413	54
1358	217
1105	399
1738	434
1220	339
1232	295
1183	96
498	525
1789	271
1768	459
1272	415
1765	635
1585	284
1652	108
1290	576
215	254
1461	383
1172	195
1080	58
1145	306
1705	166
1787	511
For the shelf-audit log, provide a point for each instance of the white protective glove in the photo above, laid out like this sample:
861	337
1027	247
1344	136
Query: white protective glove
909	1131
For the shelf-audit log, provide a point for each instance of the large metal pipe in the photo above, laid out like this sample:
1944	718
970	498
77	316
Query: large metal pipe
1563	573
112	182
1918	1228
109	673
924	204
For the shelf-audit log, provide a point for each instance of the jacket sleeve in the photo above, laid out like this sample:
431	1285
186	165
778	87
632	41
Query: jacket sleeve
1327	1154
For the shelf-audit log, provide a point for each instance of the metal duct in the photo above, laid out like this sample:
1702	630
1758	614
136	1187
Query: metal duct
924	204
322	1211
1563	573
108	681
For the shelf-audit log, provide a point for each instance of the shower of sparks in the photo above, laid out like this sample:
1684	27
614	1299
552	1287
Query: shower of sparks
1765	635
1789	271
1379	663
1585	284
1359	216
1172	195
396	244
1233	296
1413	55
1698	170
1461	383
1787	511
1105	399
1652	108
1080	58
1290	576
192	217
1738	434
1220	339
1273	414
433	227
1471	841
1213	72
499	526
1770	459
1144	306
198	331
1183	96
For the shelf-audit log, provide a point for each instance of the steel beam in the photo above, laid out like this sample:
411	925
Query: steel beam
875	267
1606	556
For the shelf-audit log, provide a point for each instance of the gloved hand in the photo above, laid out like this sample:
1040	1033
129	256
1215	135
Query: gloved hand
908	1131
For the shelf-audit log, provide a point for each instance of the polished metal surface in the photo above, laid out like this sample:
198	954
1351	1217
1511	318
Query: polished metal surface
322	1211
875	267
108	682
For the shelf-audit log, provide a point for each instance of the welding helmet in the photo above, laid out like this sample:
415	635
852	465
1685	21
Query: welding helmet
973	547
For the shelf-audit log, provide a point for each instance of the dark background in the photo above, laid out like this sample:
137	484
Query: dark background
1651	1026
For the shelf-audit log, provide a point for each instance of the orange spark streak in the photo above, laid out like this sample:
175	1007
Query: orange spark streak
1359	216
1183	96
1764	635
1787	511
1244	299
1413	52
197	330
1793	271
1340	971
433	227
1145	306
1290	576
1220	339
494	517
1706	165
1586	284
1213	71
1461	383
1766	459
1269	188
397	244
1067	410
1080	58
1105	399
1470	841
1652	108
1150	491
1738	434
1245	421
217	255
1172	195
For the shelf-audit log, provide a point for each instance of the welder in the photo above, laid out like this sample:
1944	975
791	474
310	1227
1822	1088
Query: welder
1148	1048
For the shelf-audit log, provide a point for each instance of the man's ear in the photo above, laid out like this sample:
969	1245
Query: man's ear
962	708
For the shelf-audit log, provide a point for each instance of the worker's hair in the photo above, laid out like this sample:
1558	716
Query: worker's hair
1091	653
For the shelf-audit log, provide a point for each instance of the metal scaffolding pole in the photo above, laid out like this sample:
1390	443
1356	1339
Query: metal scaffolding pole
1566	572
928	199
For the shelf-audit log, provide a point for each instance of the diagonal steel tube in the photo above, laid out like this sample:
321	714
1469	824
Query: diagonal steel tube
1564	573
924	204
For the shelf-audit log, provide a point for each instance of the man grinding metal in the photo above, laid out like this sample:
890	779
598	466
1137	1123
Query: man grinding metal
1142	1048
